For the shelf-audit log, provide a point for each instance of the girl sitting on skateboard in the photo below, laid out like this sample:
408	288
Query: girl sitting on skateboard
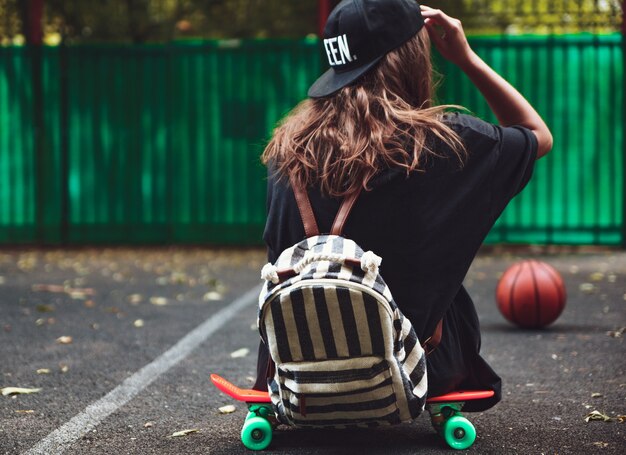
434	182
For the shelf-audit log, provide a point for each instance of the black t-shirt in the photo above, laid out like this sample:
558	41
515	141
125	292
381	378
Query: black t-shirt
428	227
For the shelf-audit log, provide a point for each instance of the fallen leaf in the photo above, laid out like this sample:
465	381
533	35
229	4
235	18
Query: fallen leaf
135	299
84	291
178	278
48	288
212	296
65	340
17	391
138	323
27	263
75	293
601	445
158	301
43	308
621	418
183	433
78	294
240	353
43	371
208	280
597	415
616	333
119	277
90	303
596	276
587	288
228	409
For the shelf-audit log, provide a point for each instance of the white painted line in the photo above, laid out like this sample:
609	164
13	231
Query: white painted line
61	438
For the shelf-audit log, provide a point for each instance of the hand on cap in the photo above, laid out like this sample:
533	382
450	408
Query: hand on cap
447	35
509	106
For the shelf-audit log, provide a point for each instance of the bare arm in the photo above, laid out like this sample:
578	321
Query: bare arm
508	105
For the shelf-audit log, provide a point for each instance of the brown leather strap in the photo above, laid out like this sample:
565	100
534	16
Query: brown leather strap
433	341
306	211
308	217
344	211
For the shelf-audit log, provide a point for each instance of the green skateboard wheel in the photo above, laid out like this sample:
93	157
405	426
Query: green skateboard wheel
459	433
256	433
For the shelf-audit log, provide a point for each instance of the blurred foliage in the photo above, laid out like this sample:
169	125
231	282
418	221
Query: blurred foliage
166	20
536	16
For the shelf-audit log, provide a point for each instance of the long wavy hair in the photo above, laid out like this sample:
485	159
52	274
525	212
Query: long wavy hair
384	120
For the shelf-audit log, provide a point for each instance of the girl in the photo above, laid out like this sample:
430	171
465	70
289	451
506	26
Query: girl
434	183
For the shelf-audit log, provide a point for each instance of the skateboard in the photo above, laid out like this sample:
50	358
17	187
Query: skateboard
445	414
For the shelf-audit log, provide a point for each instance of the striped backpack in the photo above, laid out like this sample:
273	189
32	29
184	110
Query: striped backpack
343	354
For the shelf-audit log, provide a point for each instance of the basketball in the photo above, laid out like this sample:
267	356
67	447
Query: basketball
531	294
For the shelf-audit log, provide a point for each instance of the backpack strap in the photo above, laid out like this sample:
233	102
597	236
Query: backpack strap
433	341
306	211
344	211
308	217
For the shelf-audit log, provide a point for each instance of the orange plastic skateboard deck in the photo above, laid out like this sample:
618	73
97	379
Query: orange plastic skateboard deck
462	395
257	396
245	395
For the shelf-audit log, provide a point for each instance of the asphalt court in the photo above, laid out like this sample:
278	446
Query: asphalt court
134	373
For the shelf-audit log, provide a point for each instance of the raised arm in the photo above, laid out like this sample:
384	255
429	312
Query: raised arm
508	105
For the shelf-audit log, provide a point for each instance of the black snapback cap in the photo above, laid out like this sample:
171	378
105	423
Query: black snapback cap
358	34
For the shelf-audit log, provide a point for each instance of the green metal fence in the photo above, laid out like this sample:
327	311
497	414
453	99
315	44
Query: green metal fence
576	83
144	144
154	144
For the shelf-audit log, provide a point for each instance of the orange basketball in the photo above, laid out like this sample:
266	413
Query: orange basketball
531	294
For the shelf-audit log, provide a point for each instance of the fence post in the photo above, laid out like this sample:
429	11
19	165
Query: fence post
32	14
65	145
623	120
323	10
